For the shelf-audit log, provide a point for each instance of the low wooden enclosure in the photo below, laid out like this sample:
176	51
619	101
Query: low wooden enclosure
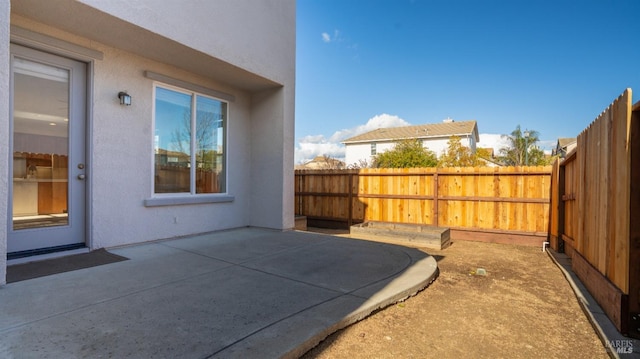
497	204
595	211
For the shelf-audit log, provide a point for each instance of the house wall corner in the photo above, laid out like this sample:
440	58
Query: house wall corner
272	128
4	131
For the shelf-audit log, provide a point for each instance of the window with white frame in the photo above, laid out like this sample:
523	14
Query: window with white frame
189	142
373	149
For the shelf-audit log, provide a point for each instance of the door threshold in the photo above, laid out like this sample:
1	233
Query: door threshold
45	253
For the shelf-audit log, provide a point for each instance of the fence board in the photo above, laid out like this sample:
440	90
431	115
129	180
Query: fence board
595	222
634	230
601	216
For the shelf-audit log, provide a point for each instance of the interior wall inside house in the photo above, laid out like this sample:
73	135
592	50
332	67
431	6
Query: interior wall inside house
39	143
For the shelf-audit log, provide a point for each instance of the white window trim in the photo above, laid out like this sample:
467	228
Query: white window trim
54	45
172	199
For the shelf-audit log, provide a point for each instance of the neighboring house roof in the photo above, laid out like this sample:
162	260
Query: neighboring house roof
444	129
162	151
564	146
321	163
564	142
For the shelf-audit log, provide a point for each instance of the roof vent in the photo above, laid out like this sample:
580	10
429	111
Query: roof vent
448	120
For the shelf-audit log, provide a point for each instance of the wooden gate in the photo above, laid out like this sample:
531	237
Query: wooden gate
595	211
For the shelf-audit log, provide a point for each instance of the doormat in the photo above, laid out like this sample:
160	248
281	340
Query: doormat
20	272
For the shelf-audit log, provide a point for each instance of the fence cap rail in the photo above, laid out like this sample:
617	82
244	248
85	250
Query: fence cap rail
431	170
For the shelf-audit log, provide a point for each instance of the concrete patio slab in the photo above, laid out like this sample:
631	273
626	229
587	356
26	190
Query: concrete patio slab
233	294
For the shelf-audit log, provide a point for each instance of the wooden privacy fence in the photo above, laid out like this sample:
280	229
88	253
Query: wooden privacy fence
595	212
497	204
170	178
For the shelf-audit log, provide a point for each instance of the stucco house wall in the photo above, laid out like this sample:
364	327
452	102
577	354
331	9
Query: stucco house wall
248	52
357	152
4	130
119	216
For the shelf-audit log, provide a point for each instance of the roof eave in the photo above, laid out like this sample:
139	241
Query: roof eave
466	134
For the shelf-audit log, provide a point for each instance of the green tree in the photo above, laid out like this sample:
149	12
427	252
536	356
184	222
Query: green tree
522	149
406	154
483	153
457	155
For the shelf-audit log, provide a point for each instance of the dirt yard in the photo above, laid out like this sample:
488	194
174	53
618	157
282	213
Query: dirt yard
522	308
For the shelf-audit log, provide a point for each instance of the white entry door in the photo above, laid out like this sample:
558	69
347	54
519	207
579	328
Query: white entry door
48	168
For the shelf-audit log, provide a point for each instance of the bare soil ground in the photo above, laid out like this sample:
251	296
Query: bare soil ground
523	308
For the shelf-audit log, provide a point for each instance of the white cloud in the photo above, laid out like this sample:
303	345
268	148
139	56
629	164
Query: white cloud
379	121
547	145
326	37
490	140
311	146
317	145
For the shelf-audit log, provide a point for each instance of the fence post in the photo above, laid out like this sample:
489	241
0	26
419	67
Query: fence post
296	194
350	198
561	207
496	190
435	198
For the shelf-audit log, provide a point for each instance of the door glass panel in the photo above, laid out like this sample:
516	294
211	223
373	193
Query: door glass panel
40	145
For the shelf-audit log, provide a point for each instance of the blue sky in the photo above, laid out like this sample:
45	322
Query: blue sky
549	66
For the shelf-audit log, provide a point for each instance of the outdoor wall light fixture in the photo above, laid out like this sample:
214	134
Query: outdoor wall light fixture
125	98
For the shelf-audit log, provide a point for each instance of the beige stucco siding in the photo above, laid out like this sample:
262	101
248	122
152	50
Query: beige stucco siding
242	48
4	130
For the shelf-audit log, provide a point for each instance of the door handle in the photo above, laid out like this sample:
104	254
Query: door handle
81	177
